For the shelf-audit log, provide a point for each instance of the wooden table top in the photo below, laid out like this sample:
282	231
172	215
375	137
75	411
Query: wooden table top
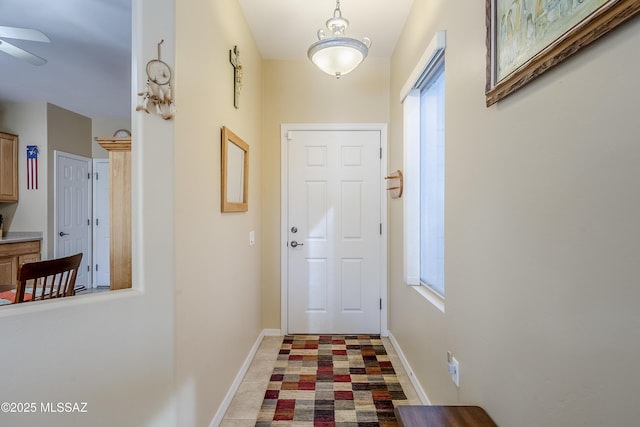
443	416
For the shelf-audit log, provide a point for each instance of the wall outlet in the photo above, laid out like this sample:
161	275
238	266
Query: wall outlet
454	368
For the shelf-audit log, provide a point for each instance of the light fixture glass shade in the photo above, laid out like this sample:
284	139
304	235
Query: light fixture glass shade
337	55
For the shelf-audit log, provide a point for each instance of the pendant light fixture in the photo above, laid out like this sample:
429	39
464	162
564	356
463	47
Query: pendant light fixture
338	55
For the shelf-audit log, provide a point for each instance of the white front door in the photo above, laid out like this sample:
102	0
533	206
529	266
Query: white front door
334	231
101	276
73	211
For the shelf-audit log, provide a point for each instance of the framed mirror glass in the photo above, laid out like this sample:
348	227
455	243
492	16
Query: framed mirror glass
235	173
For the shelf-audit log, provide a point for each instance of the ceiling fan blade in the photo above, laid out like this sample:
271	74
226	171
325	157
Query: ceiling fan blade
23	34
12	50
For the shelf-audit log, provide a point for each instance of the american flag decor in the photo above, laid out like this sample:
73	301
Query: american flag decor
32	167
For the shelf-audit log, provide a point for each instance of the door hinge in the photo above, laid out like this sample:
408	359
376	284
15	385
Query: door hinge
89	175
96	267
381	229
380	153
88	268
289	135
96	176
380	303
89	222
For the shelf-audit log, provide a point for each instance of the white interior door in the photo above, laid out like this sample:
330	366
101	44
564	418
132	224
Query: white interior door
101	276
334	231
73	211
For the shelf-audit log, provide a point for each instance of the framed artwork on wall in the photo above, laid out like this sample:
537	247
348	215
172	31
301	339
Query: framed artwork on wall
235	172
527	37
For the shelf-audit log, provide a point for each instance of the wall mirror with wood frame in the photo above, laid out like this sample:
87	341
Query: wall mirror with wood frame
235	170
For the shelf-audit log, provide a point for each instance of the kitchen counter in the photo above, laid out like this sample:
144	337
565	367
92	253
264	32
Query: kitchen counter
20	236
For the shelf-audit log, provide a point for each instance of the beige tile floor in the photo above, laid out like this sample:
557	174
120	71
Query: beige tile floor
245	406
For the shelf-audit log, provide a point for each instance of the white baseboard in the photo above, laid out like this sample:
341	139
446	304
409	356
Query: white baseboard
416	384
217	419
272	332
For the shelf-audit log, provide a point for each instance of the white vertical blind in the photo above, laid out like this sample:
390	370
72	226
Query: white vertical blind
432	181
423	219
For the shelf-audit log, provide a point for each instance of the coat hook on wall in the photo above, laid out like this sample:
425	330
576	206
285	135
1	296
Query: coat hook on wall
395	183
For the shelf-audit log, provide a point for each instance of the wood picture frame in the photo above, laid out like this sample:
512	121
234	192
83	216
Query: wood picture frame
235	172
525	38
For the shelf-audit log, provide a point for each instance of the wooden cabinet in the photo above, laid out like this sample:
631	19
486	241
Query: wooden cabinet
120	210
8	270
12	255
8	167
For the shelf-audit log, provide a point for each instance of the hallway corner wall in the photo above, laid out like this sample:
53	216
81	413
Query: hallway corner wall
541	235
218	292
296	92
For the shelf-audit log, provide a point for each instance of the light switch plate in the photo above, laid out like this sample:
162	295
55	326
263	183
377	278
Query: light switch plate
252	238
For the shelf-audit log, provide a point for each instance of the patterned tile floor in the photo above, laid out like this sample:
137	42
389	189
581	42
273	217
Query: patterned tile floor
246	404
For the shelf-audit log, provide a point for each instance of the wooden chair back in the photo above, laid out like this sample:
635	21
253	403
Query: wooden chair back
53	278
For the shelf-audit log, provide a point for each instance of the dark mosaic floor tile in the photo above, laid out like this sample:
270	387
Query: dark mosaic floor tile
324	414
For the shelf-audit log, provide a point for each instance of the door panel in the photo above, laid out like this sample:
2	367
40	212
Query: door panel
101	276
73	211
334	254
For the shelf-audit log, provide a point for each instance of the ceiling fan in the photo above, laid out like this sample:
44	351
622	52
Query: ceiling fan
22	34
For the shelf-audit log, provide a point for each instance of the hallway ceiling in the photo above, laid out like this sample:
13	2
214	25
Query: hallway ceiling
284	29
89	57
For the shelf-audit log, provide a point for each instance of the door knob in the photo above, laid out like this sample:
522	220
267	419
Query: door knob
296	244
62	234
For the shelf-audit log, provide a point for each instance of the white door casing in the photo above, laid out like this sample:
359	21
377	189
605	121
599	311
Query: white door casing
72	208
101	237
334	275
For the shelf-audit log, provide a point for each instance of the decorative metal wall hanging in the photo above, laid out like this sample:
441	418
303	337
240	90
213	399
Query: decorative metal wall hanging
158	96
234	59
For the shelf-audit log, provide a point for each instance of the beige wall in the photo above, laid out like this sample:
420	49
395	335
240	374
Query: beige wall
296	92
541	232
66	132
218	294
50	128
28	121
114	351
